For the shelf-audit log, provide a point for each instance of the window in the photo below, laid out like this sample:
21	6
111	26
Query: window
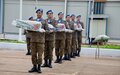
99	8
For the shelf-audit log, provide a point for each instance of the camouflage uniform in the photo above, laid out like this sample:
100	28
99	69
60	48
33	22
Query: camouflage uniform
79	33
28	42
49	43
74	40
68	42
37	46
59	43
37	41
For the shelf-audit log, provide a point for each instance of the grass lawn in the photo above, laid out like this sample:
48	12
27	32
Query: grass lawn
11	41
108	46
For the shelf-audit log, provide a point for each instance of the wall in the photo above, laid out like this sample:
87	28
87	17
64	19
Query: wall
112	9
12	11
78	8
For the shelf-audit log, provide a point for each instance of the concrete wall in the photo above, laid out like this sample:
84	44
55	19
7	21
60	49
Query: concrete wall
78	8
112	9
12	11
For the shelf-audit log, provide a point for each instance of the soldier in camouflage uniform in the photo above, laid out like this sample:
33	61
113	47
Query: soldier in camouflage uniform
28	39
79	33
60	37
37	40
74	37
68	41
49	40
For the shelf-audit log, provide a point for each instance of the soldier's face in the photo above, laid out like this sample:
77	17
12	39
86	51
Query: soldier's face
50	15
39	14
73	17
61	16
68	18
78	18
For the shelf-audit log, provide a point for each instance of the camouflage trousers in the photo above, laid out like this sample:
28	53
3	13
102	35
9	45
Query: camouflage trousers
37	51
79	40
48	52
68	44
28	43
59	47
74	45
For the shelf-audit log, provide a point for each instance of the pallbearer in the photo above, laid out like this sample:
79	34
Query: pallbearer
60	38
74	36
28	39
79	33
49	39
37	41
68	41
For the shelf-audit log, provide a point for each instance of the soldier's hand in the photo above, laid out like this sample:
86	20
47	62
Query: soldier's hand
51	30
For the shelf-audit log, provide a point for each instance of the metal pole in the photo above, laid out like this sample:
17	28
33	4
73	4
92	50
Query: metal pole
20	29
92	13
87	26
65	9
1	15
36	4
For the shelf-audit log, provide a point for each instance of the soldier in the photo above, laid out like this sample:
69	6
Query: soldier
74	36
79	33
28	39
68	42
60	40
49	40
37	40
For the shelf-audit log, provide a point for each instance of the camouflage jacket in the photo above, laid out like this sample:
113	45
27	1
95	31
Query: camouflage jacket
50	36
68	24
37	36
60	35
74	34
81	23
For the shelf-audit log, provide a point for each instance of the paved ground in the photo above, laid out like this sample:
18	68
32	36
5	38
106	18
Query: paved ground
15	62
85	51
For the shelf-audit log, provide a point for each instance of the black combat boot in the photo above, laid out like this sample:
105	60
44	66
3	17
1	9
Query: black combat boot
50	64
39	68
69	57
34	69
65	57
57	59
78	54
60	60
45	63
72	55
28	53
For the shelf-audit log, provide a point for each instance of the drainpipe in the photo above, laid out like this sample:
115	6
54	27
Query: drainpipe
65	9
92	13
88	23
20	29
